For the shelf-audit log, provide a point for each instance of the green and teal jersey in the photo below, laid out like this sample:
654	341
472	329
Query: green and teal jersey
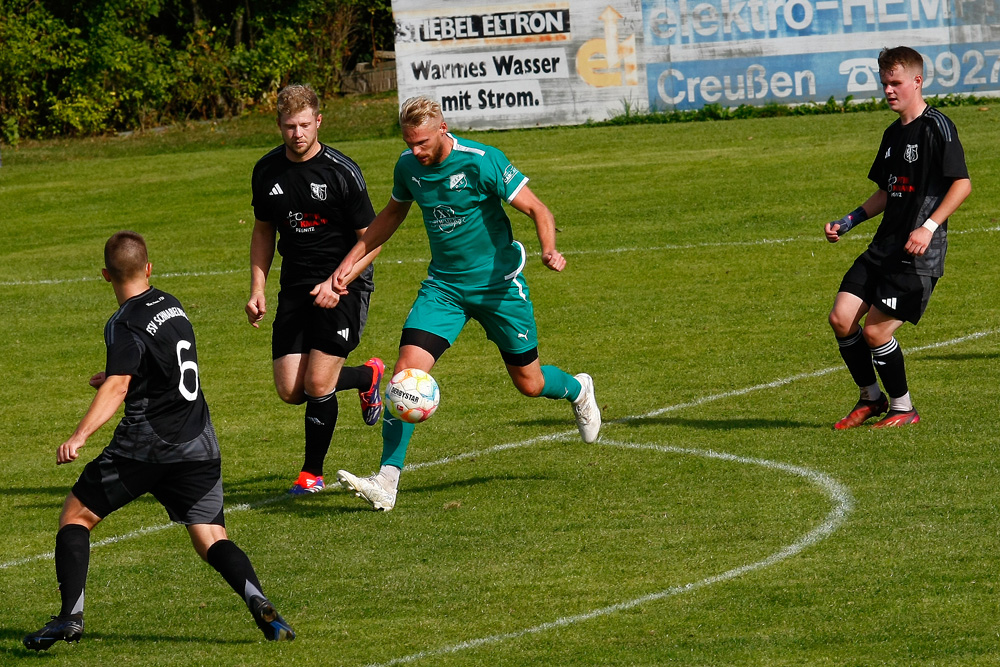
461	201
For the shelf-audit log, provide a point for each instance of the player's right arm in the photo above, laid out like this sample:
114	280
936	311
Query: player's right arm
110	395
872	207
261	256
361	255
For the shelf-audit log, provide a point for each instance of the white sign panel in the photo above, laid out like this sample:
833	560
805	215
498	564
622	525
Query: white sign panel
550	63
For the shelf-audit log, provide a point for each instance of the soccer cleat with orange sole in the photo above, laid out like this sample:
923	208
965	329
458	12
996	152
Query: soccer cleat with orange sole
898	418
862	412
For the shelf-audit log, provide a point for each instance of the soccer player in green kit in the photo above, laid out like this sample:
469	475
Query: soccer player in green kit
475	273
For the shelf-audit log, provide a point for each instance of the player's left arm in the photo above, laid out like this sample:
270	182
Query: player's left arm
920	238
110	395
545	226
325	293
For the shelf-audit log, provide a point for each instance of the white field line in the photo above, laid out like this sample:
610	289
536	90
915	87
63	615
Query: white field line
420	260
839	495
531	441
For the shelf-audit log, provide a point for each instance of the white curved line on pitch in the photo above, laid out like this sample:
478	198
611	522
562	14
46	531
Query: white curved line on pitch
526	443
421	260
839	495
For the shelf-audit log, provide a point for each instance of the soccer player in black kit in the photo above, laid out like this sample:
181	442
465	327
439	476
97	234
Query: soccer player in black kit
164	445
922	179
314	199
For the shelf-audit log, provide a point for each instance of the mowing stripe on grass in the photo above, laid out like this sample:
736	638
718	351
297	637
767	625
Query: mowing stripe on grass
421	260
840	496
531	441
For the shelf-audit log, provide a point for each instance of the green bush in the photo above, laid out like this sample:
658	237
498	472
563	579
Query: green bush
97	66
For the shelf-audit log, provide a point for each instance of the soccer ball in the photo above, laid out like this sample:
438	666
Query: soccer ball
412	395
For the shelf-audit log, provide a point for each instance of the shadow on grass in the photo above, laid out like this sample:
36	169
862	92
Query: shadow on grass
470	482
8	637
55	491
319	504
722	424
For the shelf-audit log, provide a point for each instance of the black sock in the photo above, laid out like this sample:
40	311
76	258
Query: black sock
858	357
72	561
888	360
355	377
321	419
235	567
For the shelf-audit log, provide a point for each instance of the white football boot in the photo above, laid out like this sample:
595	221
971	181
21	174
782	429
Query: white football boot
588	414
369	489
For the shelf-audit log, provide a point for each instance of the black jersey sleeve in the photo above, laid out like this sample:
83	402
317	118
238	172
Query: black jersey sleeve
356	204
953	154
260	187
875	174
124	349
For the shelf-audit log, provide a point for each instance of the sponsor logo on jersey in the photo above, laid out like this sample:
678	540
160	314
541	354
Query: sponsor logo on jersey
415	180
911	153
458	181
276	190
898	185
888	151
318	191
305	222
445	219
509	173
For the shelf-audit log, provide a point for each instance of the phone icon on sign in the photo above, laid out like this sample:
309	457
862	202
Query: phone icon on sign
862	74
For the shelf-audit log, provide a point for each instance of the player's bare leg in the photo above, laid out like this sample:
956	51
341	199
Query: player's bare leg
888	358
848	309
380	488
312	379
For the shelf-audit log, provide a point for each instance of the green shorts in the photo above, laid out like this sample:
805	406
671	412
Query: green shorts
504	311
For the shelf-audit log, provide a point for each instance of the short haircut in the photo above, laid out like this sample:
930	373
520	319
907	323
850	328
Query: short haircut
125	256
902	56
295	98
418	110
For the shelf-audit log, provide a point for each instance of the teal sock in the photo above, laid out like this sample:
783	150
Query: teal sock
396	436
560	384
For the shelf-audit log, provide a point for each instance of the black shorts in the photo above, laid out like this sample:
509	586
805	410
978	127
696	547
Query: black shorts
300	325
191	491
903	296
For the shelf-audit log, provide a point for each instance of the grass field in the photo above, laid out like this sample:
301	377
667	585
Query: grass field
720	520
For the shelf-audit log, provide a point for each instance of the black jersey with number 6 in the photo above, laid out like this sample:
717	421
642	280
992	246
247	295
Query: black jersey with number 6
166	418
915	165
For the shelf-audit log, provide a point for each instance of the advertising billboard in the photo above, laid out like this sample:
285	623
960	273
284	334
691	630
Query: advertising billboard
503	65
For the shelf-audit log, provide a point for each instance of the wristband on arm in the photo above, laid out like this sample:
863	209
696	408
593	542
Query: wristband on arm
930	224
852	219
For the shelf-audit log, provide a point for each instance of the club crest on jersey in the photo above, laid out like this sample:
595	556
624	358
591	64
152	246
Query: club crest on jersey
911	153
509	173
318	191
458	181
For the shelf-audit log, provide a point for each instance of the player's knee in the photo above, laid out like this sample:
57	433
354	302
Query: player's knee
529	386
840	323
318	388
875	336
291	395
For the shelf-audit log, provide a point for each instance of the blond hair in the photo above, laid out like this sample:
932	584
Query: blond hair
418	110
295	98
125	256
